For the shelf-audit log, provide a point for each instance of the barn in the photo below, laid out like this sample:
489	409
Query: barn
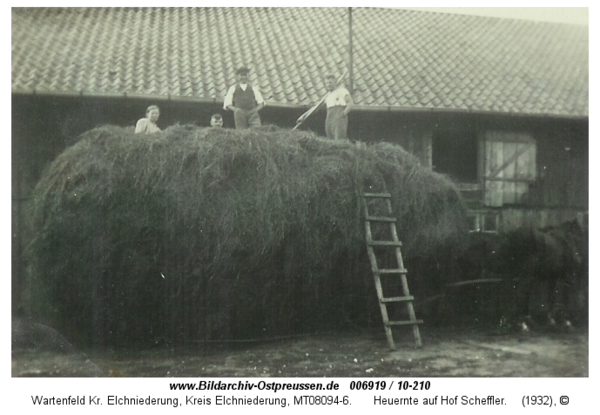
500	106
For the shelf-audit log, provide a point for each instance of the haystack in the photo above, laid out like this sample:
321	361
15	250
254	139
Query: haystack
199	234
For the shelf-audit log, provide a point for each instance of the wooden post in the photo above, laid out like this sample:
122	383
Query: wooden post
350	53
427	155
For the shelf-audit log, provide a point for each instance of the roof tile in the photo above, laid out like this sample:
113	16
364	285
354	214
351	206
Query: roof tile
401	58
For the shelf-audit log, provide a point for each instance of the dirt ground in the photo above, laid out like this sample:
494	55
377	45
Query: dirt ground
445	353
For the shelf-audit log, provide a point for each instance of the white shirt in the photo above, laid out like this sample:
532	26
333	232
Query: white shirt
229	96
337	97
146	126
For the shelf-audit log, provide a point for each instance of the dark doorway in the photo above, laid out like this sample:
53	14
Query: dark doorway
454	153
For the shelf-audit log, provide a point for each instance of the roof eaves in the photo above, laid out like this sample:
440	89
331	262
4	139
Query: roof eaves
464	111
366	108
90	94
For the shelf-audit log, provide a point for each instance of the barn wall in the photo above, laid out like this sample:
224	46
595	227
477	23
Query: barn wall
562	168
560	190
512	218
42	126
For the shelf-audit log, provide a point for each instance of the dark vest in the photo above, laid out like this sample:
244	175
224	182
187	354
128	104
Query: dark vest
244	99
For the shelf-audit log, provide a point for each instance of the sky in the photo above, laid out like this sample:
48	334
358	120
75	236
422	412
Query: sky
552	10
571	15
574	15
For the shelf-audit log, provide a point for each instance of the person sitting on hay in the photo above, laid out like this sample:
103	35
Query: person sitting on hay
245	100
148	125
216	121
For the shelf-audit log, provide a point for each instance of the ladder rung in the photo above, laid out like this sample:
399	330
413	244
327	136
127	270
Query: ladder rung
404	323
378	195
391	271
385	243
397	299
380	219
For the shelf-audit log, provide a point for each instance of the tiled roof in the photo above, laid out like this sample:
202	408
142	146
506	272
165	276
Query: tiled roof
402	59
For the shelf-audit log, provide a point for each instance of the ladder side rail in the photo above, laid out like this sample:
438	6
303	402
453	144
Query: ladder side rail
410	308
395	238
376	278
375	267
379	289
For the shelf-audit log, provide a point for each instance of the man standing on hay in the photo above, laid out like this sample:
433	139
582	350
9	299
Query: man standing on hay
339	104
245	100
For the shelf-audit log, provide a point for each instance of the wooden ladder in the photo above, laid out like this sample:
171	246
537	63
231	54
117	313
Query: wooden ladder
376	200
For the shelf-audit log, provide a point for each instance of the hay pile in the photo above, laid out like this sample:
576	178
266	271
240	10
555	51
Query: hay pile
196	234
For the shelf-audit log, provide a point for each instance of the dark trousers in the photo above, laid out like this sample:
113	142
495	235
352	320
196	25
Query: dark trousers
246	118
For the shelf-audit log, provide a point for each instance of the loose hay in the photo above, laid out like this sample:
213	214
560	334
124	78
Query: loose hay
199	234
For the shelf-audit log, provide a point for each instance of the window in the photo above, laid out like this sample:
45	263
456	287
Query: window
485	221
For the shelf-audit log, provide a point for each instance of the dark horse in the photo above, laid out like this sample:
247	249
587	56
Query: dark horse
548	265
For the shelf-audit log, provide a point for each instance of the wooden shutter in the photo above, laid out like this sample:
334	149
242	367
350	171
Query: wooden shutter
509	167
